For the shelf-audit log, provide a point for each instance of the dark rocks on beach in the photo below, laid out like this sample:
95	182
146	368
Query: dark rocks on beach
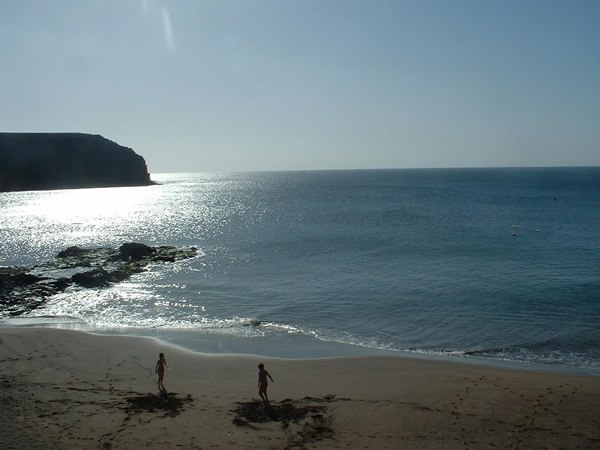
97	277
34	161
23	289
135	251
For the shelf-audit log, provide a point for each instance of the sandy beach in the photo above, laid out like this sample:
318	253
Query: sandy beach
68	389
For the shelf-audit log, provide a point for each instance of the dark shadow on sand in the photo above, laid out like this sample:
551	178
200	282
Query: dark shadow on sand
304	421
167	403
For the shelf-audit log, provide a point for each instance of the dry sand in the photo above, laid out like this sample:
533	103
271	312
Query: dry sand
67	389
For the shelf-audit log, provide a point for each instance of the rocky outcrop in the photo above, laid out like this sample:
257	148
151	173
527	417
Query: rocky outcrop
23	289
34	161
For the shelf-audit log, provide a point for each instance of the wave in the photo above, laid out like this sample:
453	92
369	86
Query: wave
555	353
549	352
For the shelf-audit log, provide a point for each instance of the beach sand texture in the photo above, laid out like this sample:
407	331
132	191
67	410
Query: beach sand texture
68	389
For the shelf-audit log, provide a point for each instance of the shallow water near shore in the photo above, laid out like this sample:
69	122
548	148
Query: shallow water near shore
483	264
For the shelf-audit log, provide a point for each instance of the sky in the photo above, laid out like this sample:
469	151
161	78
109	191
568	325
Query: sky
251	85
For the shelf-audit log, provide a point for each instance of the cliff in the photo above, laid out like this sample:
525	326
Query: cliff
34	161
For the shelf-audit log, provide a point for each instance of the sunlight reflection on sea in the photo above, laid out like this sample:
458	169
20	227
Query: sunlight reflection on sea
423	261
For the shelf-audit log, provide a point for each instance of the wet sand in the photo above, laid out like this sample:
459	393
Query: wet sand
67	389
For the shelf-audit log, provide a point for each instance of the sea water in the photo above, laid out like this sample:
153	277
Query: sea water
479	264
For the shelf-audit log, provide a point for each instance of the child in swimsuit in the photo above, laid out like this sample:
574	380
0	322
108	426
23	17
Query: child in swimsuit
160	370
263	383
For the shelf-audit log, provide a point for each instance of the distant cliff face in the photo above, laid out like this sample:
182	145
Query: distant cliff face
34	161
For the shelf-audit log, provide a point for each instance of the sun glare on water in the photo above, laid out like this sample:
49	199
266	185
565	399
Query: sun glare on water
85	217
84	205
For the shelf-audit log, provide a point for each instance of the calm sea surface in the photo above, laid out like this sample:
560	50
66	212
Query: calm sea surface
492	264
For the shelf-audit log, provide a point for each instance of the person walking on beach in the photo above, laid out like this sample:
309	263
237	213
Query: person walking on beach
263	383
160	370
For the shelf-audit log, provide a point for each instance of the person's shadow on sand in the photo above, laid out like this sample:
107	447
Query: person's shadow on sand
168	404
305	420
270	412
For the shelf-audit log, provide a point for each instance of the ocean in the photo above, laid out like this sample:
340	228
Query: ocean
494	266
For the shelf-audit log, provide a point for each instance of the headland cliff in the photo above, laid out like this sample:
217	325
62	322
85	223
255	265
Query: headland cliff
39	161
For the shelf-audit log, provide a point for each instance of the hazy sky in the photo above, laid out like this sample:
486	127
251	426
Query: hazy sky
310	84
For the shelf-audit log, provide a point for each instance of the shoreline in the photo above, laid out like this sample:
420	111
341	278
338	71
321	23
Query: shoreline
74	389
293	347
